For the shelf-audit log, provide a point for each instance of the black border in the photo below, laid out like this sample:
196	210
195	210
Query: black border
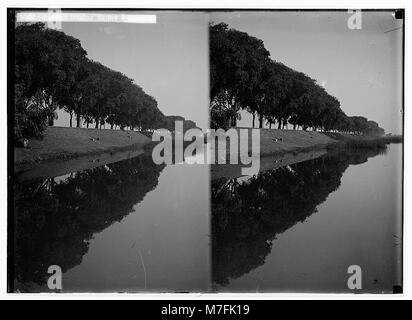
10	149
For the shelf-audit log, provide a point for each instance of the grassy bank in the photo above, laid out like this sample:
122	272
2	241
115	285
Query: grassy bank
66	143
275	142
279	142
285	147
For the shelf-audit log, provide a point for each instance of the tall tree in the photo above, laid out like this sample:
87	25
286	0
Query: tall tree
236	62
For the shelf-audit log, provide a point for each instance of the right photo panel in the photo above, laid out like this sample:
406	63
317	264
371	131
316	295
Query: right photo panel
306	178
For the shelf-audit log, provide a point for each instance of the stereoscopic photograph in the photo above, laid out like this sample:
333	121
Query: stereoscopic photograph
205	151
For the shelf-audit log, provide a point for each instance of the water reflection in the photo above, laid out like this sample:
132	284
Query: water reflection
164	245
55	218
248	214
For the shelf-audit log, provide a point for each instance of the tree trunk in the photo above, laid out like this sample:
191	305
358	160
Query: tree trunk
253	122
294	127
270	125
260	121
78	122
233	124
280	124
97	123
51	121
71	119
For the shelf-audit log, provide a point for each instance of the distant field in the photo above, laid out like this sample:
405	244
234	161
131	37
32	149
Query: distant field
61	143
275	141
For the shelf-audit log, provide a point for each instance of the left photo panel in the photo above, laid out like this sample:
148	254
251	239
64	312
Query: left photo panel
104	196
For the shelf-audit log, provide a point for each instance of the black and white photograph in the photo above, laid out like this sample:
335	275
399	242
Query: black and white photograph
207	151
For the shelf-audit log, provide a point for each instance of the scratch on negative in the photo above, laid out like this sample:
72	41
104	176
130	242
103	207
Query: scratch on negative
144	269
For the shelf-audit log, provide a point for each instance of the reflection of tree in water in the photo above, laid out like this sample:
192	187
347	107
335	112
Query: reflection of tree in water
247	216
54	221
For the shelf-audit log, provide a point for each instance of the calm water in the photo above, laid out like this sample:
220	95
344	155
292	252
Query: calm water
126	226
299	228
135	226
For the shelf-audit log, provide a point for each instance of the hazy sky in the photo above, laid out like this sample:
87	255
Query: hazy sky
169	59
362	68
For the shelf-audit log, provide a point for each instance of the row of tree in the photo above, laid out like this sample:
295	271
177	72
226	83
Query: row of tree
244	77
52	71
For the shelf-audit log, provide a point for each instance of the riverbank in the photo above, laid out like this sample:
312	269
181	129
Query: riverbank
60	143
78	147
280	142
285	147
273	141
